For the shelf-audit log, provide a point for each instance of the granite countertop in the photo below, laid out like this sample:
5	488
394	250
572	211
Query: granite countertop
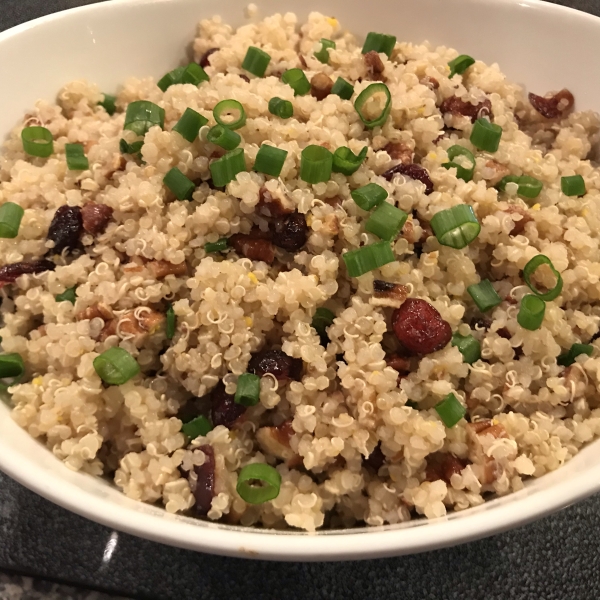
552	559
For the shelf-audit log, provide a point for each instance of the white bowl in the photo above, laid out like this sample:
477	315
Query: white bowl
542	45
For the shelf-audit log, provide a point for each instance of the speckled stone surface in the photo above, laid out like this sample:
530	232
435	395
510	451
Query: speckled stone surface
553	559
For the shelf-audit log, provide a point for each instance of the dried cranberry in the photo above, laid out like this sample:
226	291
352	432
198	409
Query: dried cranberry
457	106
376	459
290	233
224	410
95	217
413	171
554	106
9	273
277	363
204	490
442	465
65	229
204	62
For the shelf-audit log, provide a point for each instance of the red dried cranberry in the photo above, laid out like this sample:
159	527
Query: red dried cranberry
413	171
65	229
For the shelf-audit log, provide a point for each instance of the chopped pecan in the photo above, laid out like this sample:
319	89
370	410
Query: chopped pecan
399	363
457	106
276	441
331	225
253	245
96	311
400	151
147	321
523	217
431	82
388	294
162	268
553	106
375	66
494	172
480	435
442	465
95	217
272	206
320	86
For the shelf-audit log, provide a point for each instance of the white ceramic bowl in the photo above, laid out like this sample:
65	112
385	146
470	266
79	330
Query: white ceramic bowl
541	45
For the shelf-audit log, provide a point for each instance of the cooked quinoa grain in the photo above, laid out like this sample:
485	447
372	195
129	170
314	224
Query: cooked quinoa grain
347	414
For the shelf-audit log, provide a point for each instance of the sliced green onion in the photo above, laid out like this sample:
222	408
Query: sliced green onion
469	347
141	115
11	366
269	160
218	246
179	184
368	94
346	162
189	125
456	227
365	259
573	185
133	148
197	427
386	221
194	74
270	483
450	410
343	89
248	389
69	295
379	42
116	366
486	135
369	196
297	80
322	319
281	108
76	158
227	107
531	312
464	173
316	164
171	78
256	61
460	64
10	219
37	141
323	54
171	322
224	137
484	295
529	270
109	104
226	168
568	358
528	187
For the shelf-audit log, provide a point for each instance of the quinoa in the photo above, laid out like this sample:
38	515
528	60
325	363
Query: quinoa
354	439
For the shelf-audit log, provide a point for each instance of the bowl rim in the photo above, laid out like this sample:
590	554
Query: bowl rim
388	540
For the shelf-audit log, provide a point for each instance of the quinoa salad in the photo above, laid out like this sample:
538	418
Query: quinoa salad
304	280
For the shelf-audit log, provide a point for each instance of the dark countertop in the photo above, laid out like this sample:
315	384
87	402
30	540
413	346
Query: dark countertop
553	559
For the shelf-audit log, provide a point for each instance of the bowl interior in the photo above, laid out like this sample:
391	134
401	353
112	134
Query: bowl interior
541	45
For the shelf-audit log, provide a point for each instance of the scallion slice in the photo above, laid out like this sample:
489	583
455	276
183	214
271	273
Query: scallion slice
223	137
346	162
171	78
316	164
343	89
268	489
76	158
256	61
456	227
269	160
226	168
460	64
218	246
197	427
486	135
529	270
109	104
281	108
189	125
531	312
568	358
484	295
229	108
528	187
369	196
297	80
194	74
323	54
116	366
462	172
37	141
10	220
248	389
450	410
179	184
322	319
11	366
141	115
69	295
469	347
366	97
380	42
574	185
134	148
171	322
386	221
365	259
